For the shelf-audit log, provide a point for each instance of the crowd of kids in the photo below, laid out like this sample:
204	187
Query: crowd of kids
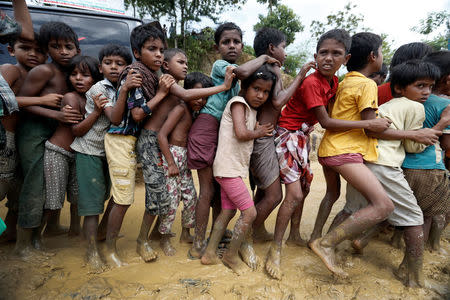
76	128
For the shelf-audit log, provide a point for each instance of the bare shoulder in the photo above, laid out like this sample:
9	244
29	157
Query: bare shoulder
42	71
72	99
10	72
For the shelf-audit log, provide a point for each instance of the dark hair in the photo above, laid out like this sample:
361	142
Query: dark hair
142	33
170	53
383	71
113	49
363	44
440	59
410	71
265	72
266	36
12	41
57	31
339	35
197	77
225	27
85	63
410	51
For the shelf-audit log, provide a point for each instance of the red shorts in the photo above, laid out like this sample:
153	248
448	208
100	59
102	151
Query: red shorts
234	193
342	159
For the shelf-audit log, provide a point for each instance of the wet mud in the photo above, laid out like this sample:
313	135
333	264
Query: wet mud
66	275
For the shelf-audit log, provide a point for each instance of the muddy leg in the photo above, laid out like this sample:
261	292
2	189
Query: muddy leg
23	246
414	256
361	241
222	220
186	237
205	177
115	220
93	258
266	201
332	194
143	242
437	227
166	245
248	252
294	238
380	206
397	237
338	219
54	227
426	227
101	235
74	229
243	224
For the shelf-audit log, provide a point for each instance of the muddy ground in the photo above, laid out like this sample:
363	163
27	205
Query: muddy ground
65	275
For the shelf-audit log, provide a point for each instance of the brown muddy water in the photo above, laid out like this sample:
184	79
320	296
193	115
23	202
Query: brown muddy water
65	275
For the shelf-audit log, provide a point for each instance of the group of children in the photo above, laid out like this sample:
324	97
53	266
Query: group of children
84	124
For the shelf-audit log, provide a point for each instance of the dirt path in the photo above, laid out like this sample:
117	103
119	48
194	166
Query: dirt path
65	276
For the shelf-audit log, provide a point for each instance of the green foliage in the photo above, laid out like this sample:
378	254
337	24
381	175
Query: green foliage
284	19
386	49
294	62
344	19
435	22
270	3
249	50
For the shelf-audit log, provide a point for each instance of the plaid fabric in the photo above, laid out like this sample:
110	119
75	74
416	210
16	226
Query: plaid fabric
292	149
8	99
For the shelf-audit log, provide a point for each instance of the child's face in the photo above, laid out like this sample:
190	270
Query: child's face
378	78
152	54
278	52
258	92
81	80
197	104
330	57
112	66
62	51
177	66
230	45
418	91
28	53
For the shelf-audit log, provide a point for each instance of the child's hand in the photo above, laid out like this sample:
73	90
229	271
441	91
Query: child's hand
69	115
52	100
273	61
445	115
173	170
427	136
134	80
379	125
306	67
165	82
229	77
100	101
263	130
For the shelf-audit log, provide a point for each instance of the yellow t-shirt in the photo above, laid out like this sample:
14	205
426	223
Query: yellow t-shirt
355	93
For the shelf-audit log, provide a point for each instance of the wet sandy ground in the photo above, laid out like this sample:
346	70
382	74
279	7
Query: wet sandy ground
65	276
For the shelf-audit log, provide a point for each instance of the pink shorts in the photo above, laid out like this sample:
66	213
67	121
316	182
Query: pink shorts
342	159
234	193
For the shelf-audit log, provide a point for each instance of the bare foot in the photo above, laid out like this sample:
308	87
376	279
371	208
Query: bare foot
261	235
30	254
166	246
209	259
234	263
186	237
273	262
196	251
145	251
249	256
296	240
401	272
328	257
114	260
55	230
95	262
357	246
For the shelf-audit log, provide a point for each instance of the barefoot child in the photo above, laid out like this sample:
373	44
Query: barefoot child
148	151
238	129
172	139
344	152
202	139
38	125
264	163
92	170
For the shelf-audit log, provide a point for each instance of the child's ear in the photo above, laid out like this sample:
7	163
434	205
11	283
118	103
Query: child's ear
78	50
270	49
371	57
136	54
398	90
347	57
100	68
11	51
165	65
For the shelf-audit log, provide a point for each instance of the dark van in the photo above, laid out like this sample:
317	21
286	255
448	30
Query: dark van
94	29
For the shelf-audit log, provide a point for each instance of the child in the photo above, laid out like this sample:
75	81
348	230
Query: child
380	76
202	139
38	125
147	43
149	154
93	177
425	172
172	139
344	152
59	160
264	163
411	84
303	110
238	129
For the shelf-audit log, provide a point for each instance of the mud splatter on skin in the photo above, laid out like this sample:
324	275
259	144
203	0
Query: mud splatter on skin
66	275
